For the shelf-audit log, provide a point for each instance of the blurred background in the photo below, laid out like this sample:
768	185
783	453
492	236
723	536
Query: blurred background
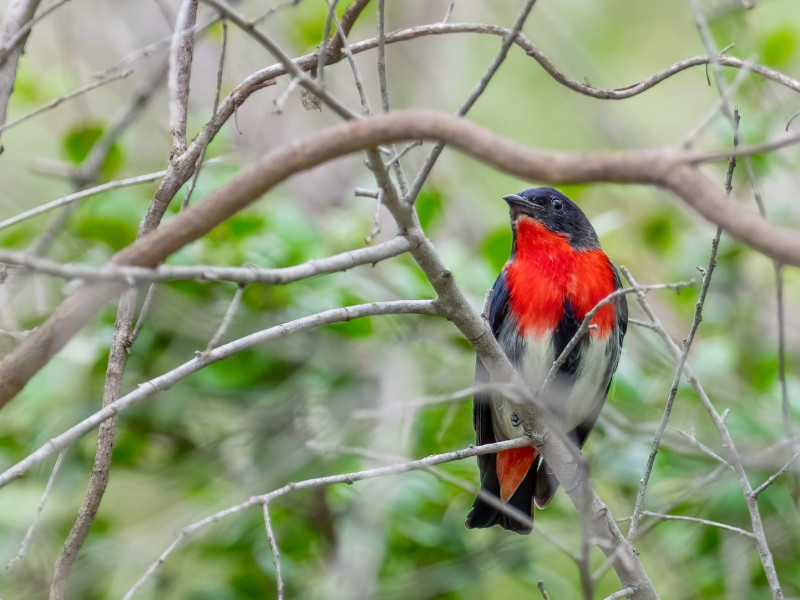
242	426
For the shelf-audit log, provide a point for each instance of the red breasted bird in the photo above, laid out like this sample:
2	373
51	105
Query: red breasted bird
556	274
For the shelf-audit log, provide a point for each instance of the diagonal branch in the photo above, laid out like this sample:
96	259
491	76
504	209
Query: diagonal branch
168	379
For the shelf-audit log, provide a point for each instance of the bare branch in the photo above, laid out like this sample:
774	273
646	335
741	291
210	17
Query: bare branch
666	168
347	478
18	15
226	321
99	476
384	87
180	70
240	275
774	476
725	526
733	456
273	546
623	593
287	62
215	106
168	379
365	107
323	46
23	547
334	49
687	344
691	438
92	191
23	32
110	77
508	41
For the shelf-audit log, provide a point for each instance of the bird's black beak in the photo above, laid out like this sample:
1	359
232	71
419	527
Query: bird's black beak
518	204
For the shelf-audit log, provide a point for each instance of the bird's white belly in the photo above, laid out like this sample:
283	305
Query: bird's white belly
570	403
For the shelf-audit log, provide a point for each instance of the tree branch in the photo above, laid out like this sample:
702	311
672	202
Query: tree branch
347	478
180	70
240	275
168	379
669	169
18	15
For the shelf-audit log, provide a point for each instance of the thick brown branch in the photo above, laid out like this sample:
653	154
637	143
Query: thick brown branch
670	169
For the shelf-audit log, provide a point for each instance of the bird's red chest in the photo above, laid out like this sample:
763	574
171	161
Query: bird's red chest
547	272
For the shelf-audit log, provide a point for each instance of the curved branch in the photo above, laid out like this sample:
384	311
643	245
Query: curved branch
666	168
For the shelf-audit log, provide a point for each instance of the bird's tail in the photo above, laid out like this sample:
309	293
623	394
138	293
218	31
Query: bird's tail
518	513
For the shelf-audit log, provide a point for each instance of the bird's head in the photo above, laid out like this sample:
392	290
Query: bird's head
557	213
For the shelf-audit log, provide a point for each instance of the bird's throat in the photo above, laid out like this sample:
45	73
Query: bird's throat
546	272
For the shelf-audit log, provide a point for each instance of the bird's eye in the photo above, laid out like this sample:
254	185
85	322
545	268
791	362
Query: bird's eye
558	205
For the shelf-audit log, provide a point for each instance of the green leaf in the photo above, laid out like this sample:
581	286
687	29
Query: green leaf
80	140
658	233
429	206
779	47
497	247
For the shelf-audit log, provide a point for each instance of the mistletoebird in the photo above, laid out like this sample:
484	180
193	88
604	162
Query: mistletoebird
556	274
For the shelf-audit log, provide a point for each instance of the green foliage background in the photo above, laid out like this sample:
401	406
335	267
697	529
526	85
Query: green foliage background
242	426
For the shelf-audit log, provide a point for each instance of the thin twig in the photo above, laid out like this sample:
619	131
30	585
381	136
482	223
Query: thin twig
667	517
181	54
505	390
774	476
215	106
726	95
17	16
346	478
145	308
110	78
708	42
587	320
540	584
490	499
23	31
508	41
623	593
788	427
687	344
384	87
692	439
698	485
273	546
168	379
240	275
366	110
226	321
92	191
309	84
23	547
323	46
765	554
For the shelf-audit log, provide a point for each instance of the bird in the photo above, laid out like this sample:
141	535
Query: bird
556	274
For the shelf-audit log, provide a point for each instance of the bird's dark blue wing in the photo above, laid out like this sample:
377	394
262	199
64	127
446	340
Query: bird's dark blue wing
483	514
